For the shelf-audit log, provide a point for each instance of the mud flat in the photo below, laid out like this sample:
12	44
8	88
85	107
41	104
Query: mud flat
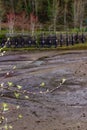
63	109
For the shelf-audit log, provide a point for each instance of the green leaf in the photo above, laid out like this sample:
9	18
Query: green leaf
26	97
20	116
14	67
19	87
63	80
5	107
0	121
6	127
10	126
17	94
42	84
0	49
2	117
10	84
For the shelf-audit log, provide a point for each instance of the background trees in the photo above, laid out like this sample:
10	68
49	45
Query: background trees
60	14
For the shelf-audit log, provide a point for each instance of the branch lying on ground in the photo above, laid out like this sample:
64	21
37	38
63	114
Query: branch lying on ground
17	91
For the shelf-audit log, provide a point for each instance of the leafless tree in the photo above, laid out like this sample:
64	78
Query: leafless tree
55	13
78	13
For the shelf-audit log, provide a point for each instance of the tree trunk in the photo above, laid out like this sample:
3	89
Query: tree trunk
65	14
78	13
55	13
81	15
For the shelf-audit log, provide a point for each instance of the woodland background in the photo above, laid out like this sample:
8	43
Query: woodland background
43	14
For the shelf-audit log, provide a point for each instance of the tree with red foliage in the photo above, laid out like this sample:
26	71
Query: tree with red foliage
11	21
33	21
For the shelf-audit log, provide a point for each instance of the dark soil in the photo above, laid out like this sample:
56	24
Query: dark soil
63	109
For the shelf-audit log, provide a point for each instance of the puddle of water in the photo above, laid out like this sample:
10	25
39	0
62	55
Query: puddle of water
38	63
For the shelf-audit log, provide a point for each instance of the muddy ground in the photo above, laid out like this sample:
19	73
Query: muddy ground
62	109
